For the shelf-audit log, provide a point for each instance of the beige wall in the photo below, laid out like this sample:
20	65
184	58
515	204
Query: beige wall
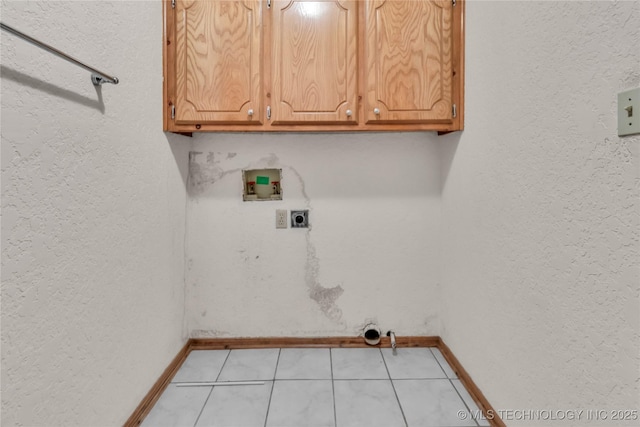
93	203
372	252
541	231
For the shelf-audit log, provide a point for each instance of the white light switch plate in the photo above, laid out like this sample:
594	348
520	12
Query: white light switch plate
629	112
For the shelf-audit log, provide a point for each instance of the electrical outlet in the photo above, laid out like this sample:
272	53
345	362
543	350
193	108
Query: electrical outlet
281	218
300	219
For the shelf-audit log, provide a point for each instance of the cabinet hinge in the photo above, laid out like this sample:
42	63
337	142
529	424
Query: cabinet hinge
454	111
268	4
453	2
173	112
268	112
173	4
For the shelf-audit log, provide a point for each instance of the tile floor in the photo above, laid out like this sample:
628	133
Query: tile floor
316	387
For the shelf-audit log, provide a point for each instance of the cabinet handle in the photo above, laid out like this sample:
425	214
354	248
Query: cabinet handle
349	113
376	111
250	112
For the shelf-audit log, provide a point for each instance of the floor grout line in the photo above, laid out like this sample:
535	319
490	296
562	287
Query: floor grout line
439	364
223	364
394	389
273	385
473	416
211	391
203	406
333	391
386	379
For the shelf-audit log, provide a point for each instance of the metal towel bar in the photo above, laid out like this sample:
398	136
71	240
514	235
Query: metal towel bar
97	76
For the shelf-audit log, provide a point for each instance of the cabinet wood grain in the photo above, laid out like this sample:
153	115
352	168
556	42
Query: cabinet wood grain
408	56
314	51
218	61
322	65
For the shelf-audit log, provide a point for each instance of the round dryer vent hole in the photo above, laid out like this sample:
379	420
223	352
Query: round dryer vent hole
371	334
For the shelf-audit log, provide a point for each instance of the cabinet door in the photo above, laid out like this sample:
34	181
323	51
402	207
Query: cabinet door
218	61
314	49
408	60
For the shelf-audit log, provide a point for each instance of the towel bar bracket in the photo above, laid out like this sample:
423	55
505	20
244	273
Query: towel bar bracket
98	80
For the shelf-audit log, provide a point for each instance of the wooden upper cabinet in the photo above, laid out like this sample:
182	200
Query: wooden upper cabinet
218	61
408	61
322	65
314	50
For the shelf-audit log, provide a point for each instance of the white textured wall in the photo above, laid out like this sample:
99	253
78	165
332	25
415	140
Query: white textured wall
541	243
372	252
93	203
